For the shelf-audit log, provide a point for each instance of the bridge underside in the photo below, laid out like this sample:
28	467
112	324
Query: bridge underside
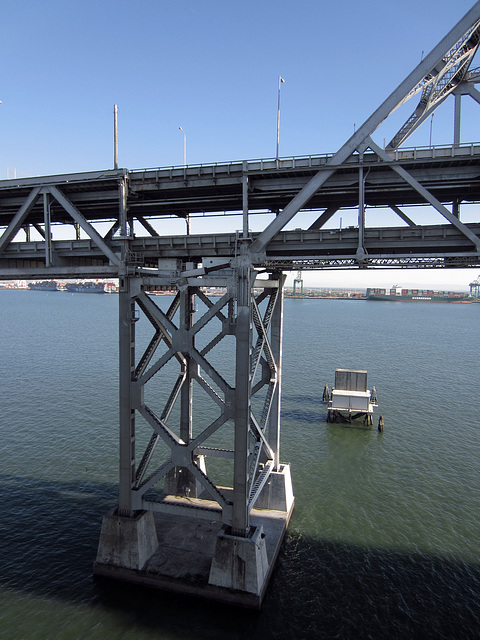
433	246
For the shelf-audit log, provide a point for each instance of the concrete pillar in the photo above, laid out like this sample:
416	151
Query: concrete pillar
127	542
277	494
240	563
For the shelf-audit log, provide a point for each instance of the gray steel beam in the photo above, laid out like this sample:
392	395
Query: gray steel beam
324	218
11	231
457	118
361	215
83	258
474	93
428	196
38	228
48	231
245	205
240	519
454	165
79	219
187	306
277	350
368	127
402	215
126	335
147	226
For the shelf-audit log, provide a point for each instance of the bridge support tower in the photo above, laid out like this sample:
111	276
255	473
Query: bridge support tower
204	500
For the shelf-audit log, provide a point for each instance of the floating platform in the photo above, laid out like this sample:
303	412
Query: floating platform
350	399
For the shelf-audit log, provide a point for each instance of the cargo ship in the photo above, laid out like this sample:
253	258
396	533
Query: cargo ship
86	287
43	285
397	294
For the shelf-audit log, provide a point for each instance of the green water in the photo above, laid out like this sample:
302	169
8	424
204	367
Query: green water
385	536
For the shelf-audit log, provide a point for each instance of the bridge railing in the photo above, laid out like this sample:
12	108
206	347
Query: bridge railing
258	165
310	161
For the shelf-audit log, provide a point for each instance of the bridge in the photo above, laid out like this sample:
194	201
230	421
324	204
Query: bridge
440	177
176	525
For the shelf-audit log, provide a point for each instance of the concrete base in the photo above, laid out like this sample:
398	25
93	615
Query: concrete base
183	560
240	563
278	492
127	542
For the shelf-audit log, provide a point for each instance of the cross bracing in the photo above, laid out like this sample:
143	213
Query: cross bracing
442	79
183	471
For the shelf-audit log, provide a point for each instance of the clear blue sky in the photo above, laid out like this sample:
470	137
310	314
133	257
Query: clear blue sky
211	67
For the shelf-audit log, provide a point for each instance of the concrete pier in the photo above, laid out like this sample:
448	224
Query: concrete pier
195	556
175	528
127	542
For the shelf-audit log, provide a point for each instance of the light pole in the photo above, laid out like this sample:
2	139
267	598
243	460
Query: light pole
184	147
431	126
187	217
115	137
280	81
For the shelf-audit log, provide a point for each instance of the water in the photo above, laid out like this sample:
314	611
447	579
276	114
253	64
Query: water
385	536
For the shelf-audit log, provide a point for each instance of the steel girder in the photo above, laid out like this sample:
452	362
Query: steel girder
49	193
437	75
439	82
170	470
325	246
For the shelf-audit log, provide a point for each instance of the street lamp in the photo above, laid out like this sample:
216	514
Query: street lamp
115	137
280	81
184	147
187	217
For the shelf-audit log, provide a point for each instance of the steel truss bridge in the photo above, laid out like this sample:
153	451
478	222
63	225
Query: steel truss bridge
169	475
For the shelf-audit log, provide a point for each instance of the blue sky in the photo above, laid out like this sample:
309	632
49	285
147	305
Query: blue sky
210	67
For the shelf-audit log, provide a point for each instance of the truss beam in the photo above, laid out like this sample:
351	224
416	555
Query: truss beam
184	467
402	93
19	218
428	196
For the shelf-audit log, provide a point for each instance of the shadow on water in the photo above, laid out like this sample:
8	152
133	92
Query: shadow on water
302	415
317	400
49	533
320	589
317	413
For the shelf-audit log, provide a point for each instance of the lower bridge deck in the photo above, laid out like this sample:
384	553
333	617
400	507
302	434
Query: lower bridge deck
427	246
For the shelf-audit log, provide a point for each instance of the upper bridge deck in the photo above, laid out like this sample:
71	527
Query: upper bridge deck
449	173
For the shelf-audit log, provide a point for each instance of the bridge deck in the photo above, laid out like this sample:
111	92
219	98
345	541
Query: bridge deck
306	249
449	173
